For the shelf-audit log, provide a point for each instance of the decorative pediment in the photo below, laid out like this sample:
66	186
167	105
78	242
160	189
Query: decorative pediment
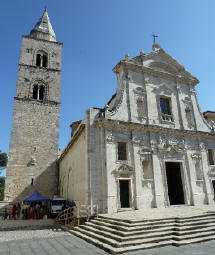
171	144
124	169
161	66
163	90
140	91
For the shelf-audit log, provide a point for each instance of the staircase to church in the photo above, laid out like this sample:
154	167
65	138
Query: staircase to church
118	236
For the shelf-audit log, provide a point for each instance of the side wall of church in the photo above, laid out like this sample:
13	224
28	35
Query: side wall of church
73	175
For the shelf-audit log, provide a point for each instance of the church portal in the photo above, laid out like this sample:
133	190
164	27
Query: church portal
174	183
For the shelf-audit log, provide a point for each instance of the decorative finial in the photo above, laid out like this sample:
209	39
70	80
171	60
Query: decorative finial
45	8
141	52
126	56
154	37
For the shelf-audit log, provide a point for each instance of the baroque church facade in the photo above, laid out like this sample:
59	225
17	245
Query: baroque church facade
150	146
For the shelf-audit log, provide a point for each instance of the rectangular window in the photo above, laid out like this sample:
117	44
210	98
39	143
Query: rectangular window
165	106
140	108
122	151
210	157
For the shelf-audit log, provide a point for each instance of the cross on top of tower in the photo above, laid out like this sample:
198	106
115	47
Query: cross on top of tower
154	37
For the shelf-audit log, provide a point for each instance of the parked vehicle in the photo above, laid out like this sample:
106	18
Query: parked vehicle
57	205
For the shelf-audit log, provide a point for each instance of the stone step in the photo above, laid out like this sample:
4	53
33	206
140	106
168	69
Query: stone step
190	236
135	234
154	223
188	225
193	240
114	243
212	217
119	238
128	224
115	250
199	216
131	227
195	227
126	233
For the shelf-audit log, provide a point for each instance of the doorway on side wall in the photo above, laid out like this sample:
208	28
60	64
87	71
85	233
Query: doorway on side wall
174	183
213	184
124	192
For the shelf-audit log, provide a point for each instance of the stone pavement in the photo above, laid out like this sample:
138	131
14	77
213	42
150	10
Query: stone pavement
64	243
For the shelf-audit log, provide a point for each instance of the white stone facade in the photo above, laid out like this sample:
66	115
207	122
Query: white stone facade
156	117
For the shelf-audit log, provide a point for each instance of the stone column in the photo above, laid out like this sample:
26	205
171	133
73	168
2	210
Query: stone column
192	176
138	175
205	170
157	175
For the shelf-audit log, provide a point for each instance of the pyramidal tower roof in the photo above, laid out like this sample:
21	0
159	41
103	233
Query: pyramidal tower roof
43	29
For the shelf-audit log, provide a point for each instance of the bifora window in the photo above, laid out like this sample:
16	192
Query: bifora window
210	157
38	92
42	60
122	151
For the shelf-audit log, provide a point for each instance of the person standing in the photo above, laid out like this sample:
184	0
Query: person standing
14	212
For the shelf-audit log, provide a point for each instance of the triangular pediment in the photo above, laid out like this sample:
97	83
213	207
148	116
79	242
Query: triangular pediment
159	61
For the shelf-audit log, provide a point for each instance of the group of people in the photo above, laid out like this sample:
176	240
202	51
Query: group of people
24	211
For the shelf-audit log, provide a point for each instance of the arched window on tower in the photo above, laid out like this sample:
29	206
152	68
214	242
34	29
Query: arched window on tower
42	59
38	92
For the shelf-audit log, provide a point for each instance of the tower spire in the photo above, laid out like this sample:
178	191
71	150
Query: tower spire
43	29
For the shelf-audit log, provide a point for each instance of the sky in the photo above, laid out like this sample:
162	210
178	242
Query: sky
96	35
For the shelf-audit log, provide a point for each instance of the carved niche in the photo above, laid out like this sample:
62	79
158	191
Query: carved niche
196	157
140	98
188	112
145	153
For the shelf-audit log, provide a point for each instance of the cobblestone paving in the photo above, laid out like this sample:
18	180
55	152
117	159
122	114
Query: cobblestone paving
55	241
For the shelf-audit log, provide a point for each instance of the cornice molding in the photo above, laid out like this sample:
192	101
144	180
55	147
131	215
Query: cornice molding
108	123
34	101
45	69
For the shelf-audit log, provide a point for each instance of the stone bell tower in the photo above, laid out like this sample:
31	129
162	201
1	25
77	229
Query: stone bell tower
34	137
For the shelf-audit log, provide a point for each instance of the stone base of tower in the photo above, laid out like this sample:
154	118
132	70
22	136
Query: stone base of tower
18	185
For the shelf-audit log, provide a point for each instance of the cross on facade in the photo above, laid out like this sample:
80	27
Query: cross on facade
154	37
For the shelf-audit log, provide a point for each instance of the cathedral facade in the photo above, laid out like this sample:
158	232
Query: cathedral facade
150	146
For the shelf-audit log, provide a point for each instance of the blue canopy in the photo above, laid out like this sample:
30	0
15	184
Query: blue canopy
35	197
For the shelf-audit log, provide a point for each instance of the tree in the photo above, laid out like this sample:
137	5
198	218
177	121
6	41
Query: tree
3	163
2	182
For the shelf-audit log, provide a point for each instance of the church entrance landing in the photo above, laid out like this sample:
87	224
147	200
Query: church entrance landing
124	188
174	183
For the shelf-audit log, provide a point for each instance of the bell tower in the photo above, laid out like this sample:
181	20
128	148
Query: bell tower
34	138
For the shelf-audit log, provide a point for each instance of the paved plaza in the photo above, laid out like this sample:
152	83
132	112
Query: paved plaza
55	241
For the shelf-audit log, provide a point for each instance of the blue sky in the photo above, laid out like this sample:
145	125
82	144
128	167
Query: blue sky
96	35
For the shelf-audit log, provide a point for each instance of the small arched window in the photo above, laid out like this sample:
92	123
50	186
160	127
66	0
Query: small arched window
38	92
42	59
